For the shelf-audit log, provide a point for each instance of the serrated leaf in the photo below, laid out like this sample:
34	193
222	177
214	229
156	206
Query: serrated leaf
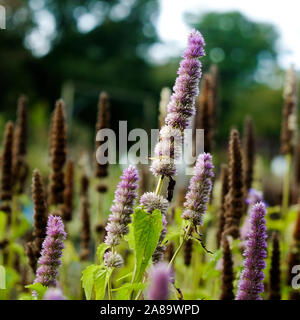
88	279
101	278
144	234
38	288
100	251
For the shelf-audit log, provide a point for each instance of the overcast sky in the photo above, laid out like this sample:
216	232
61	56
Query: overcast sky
282	13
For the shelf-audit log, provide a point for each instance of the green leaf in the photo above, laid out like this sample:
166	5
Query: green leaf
210	270
101	280
88	279
274	209
3	219
125	276
18	248
12	277
144	234
124	292
100	251
38	288
173	235
26	296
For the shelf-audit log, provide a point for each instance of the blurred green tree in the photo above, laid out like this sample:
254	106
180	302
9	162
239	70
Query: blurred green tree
16	60
103	45
250	78
111	56
96	45
246	55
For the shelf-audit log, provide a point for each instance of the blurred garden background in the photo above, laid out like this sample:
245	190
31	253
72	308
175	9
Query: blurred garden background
75	49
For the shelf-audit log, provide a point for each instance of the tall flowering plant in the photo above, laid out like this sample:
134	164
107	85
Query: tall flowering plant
197	197
180	108
50	261
146	224
121	210
251	282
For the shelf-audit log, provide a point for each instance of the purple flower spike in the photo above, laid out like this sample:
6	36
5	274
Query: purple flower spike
254	196
199	190
160	278
112	260
54	294
150	201
167	150
122	208
51	252
251	282
181	106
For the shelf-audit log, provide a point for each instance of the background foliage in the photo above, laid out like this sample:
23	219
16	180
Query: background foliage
114	56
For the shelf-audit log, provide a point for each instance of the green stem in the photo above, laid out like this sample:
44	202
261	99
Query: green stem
286	185
184	238
99	220
132	281
138	295
109	287
159	185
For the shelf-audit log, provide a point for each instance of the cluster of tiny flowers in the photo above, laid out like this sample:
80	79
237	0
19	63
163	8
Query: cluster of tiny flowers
199	190
167	150
160	277
51	252
254	196
150	201
113	260
250	285
54	294
181	105
122	208
180	108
